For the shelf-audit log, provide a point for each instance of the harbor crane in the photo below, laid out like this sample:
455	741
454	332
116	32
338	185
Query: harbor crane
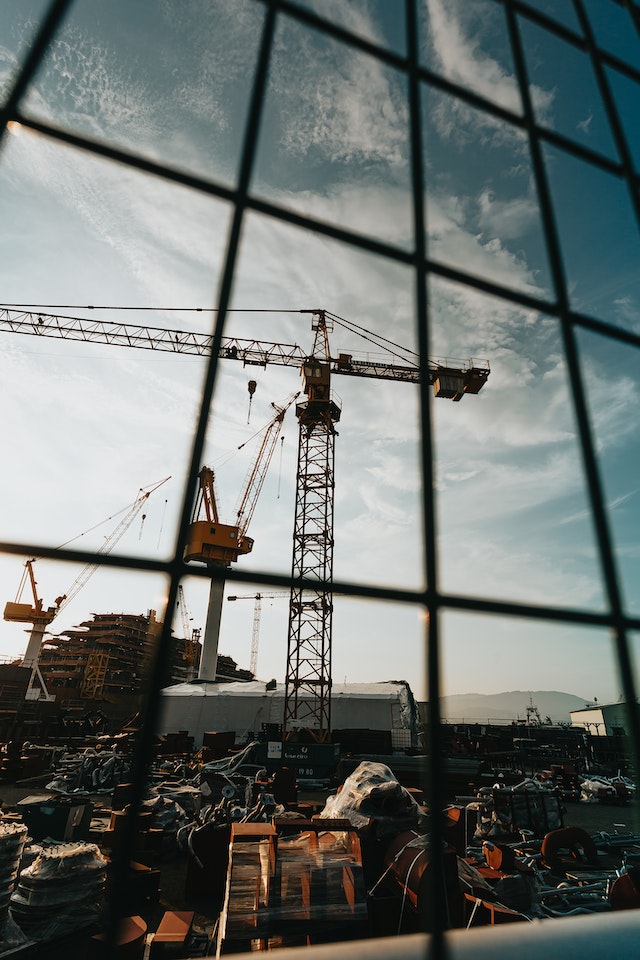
257	613
221	544
18	612
307	709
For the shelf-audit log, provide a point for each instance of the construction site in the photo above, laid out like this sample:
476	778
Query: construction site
89	681
269	809
104	660
227	707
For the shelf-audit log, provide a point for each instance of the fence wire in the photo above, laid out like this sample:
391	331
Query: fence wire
425	265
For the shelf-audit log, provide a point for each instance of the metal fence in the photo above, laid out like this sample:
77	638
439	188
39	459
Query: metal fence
424	265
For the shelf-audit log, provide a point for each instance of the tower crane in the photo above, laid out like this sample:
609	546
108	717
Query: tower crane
308	669
257	613
40	619
220	544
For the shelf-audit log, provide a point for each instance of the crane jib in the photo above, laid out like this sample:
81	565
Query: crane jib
248	352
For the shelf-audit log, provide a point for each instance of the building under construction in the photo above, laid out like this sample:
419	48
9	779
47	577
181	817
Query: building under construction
98	669
105	659
104	662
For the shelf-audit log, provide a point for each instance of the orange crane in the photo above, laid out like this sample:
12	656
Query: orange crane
257	613
221	544
308	669
17	612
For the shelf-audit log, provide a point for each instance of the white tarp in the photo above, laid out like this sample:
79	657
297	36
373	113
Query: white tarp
200	707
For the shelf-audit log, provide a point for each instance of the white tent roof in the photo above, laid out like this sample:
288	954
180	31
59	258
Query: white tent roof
244	707
386	690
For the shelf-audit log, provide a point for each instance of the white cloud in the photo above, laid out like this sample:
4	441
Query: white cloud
452	242
460	56
341	103
585	124
627	312
507	219
159	230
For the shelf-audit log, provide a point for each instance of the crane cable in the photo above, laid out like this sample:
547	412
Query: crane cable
143	494
374	338
23	580
89	569
94	527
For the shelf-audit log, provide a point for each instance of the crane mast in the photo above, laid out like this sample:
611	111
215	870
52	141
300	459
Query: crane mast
308	676
308	670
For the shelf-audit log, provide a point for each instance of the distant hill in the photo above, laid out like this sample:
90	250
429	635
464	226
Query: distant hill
511	706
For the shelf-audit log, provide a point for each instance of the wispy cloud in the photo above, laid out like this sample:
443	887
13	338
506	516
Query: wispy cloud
341	105
611	505
456	32
507	219
585	124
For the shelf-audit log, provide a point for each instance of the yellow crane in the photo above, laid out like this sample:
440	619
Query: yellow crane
221	544
39	618
18	612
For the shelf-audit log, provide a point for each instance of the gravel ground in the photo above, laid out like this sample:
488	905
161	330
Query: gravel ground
594	817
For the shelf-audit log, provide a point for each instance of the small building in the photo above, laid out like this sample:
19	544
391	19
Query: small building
602	720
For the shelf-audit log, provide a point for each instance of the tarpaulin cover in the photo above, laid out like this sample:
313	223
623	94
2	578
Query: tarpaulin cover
372	792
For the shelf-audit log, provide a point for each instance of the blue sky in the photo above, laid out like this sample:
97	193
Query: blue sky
87	425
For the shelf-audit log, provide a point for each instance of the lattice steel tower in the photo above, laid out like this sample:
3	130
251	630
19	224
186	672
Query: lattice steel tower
308	679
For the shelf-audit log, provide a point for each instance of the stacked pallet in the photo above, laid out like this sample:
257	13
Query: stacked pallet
301	889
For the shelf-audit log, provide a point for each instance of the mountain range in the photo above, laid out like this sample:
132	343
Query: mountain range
511	705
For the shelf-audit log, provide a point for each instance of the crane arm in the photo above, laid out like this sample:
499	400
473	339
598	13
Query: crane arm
109	543
250	352
184	614
260	596
258	471
37	602
206	500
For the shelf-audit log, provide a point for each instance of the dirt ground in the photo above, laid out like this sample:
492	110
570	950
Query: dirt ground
594	817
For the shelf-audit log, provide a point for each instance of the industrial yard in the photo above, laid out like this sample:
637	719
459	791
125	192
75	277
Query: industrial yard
347	293
231	857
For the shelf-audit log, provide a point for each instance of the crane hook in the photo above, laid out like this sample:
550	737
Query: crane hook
251	387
